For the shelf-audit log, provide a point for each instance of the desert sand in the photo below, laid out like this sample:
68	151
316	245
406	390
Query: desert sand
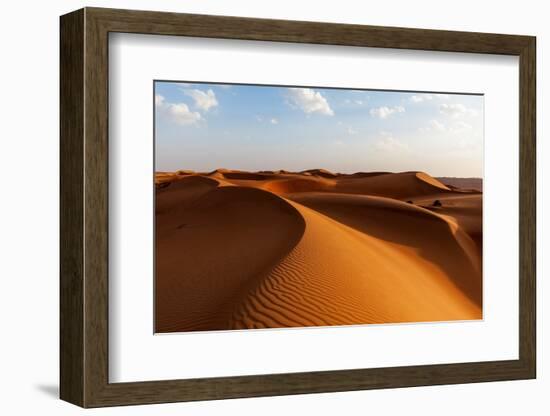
274	249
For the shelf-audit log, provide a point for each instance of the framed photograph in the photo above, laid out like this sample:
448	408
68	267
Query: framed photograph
255	207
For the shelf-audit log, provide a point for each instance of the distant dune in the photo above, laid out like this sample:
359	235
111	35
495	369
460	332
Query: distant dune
277	249
463	183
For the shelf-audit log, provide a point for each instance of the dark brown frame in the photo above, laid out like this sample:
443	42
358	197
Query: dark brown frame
84	207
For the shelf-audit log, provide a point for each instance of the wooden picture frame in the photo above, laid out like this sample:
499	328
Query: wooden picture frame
84	207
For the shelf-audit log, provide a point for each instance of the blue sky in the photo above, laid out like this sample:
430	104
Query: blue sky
204	126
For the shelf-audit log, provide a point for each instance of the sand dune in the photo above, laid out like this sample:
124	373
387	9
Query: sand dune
422	233
472	184
465	209
320	172
393	185
298	184
262	250
371	281
363	174
211	245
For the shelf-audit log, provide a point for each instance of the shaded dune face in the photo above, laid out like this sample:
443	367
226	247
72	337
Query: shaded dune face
239	250
180	194
211	244
465	209
245	176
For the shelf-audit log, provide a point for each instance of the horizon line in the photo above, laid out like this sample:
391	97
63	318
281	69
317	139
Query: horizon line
267	171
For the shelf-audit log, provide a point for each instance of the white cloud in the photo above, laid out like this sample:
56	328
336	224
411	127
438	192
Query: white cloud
309	101
457	128
181	114
452	110
159	100
347	101
351	131
274	121
419	98
456	110
203	100
178	113
385	112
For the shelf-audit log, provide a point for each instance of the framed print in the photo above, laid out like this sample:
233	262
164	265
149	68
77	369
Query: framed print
293	246
255	207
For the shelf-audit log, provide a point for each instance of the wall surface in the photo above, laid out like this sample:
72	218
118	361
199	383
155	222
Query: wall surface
29	209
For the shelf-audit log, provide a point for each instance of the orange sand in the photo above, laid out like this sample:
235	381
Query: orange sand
279	249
